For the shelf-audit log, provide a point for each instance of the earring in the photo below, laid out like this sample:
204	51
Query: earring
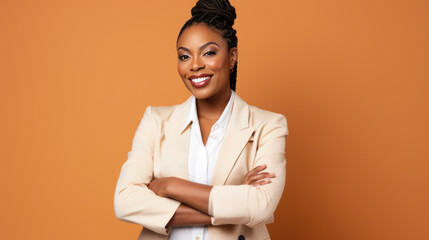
232	68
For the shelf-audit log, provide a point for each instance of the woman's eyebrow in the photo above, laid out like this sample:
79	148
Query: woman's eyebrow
202	46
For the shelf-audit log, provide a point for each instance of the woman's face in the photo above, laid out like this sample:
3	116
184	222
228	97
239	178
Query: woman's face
204	61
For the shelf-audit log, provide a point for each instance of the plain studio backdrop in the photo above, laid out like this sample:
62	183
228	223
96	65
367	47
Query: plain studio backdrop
351	77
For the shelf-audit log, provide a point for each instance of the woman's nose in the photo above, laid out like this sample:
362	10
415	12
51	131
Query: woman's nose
197	64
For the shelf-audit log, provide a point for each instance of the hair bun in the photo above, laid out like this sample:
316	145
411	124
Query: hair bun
214	9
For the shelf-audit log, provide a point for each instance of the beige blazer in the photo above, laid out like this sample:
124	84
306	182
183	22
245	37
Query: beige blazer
160	149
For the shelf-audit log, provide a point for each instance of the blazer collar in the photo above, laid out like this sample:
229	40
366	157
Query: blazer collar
236	136
239	114
192	115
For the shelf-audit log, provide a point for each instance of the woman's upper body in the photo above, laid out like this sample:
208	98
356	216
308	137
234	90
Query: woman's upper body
155	188
161	149
201	160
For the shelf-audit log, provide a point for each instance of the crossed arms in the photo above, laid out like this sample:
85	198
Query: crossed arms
158	204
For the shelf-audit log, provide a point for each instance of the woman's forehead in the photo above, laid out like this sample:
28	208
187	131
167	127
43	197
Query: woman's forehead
198	34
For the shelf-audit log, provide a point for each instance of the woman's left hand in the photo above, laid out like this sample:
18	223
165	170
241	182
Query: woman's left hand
160	186
252	178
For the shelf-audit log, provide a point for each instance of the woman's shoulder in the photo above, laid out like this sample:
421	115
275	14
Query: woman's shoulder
263	115
164	113
266	119
258	114
160	113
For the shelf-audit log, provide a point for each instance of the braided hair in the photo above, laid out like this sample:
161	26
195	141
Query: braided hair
220	15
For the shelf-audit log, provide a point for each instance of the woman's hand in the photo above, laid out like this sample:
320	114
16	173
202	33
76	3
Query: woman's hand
252	178
159	186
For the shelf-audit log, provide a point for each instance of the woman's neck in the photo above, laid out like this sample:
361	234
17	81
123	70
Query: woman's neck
212	108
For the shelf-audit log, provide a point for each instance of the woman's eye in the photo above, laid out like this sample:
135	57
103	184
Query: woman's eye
210	53
183	57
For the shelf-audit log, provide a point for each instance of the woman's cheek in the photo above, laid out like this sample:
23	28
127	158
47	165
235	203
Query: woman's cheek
216	64
181	67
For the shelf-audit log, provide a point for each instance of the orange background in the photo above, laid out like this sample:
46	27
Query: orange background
350	76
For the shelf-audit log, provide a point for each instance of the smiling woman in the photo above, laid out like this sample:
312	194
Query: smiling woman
195	170
205	60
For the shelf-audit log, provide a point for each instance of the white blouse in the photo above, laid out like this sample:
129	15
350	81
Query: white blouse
201	162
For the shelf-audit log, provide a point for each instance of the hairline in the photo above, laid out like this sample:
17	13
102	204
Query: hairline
209	25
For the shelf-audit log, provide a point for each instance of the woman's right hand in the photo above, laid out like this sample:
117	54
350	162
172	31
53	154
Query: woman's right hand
253	178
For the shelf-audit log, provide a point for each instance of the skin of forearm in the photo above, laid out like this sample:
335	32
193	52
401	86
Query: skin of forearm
186	216
192	194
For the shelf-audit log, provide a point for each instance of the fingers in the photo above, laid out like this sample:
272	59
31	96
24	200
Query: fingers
260	179
256	169
260	176
260	167
253	177
260	183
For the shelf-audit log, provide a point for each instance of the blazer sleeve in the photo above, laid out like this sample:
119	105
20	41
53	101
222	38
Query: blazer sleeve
255	205
133	201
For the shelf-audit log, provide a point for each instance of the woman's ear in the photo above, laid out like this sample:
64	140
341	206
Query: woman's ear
233	55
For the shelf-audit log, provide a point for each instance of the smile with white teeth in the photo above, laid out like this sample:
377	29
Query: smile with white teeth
197	80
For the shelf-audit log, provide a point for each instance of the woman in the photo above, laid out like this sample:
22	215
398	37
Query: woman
195	169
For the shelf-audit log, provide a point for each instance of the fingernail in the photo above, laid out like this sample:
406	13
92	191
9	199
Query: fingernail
272	174
267	180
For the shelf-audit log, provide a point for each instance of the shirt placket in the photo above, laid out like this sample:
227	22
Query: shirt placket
212	143
200	177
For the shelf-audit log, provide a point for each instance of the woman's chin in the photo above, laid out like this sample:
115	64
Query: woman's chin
201	93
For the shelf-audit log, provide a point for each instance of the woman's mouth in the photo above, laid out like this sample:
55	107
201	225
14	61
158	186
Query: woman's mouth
200	81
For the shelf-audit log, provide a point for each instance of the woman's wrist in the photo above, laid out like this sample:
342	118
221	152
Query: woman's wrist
187	216
193	194
170	186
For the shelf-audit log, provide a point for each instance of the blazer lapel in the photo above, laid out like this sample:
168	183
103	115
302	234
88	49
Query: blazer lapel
236	136
177	141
